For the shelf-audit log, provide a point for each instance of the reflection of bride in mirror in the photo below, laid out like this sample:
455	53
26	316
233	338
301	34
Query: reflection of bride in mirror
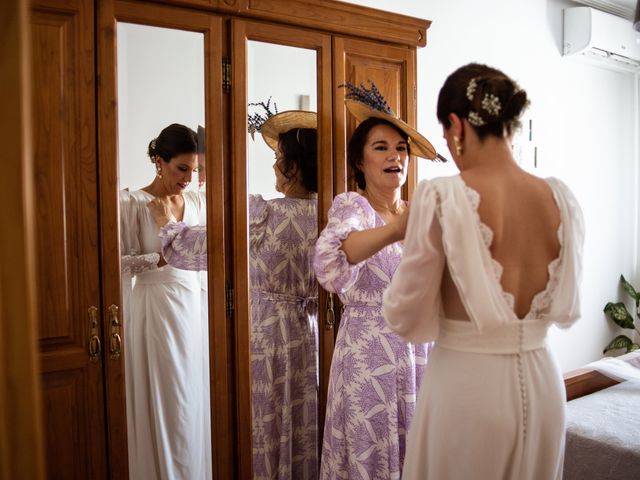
284	335
164	357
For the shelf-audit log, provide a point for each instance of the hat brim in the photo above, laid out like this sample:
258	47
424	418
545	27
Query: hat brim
283	122
420	146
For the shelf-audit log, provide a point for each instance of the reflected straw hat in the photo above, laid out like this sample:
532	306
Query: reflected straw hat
365	103
285	121
271	124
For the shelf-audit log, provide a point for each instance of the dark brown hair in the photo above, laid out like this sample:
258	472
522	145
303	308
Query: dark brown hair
173	140
200	136
355	149
299	147
489	82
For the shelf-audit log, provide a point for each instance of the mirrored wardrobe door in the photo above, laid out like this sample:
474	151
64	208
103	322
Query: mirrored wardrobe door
280	164
160	144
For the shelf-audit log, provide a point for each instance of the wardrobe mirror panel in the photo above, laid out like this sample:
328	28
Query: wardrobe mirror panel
282	184
161	112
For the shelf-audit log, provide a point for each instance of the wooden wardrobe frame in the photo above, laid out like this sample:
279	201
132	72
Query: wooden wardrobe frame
339	33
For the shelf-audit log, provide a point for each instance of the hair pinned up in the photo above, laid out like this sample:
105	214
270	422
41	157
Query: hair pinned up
299	147
173	140
486	97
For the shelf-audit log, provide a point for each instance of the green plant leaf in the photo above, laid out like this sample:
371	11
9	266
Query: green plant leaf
629	289
621	341
633	347
619	314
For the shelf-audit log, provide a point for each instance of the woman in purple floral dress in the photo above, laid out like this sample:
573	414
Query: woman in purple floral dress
375	375
284	302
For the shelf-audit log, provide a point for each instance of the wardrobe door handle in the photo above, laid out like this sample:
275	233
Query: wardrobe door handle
113	316
115	346
331	314
95	347
115	340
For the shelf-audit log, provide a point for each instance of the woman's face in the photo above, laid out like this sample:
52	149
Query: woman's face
385	158
176	175
283	184
202	170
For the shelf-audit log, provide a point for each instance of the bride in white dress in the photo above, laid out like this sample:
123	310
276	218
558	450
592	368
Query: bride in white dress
165	357
492	257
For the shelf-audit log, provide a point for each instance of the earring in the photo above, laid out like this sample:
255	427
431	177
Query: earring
159	173
457	144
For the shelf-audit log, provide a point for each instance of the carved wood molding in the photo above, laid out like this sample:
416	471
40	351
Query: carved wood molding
331	16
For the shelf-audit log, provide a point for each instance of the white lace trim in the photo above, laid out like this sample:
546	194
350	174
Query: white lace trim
542	300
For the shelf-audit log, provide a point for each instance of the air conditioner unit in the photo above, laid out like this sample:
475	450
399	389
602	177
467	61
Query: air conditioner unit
608	39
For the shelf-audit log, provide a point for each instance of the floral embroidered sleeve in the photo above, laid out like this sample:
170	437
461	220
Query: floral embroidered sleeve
183	246
132	261
348	213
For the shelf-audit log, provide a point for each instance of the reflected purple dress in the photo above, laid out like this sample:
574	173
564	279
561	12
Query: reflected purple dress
375	375
284	335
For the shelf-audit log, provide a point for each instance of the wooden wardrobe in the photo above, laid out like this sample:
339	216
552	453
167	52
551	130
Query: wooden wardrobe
74	131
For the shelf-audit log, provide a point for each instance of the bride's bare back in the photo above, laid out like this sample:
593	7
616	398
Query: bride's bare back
520	210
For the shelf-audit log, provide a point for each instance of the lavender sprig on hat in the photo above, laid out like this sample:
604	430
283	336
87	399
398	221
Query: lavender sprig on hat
256	120
368	96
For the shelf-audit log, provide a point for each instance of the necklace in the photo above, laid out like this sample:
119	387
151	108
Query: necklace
393	210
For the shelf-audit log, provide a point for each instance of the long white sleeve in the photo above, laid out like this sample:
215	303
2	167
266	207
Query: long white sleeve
412	303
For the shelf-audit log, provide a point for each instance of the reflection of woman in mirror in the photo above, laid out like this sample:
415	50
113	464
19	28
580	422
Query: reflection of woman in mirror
375	374
202	163
492	392
164	359
282	235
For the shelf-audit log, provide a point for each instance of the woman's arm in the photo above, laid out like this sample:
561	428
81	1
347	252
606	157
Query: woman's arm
184	247
132	261
145	262
360	245
411	304
349	214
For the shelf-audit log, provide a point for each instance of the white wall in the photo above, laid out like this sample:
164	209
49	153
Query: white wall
584	125
160	82
284	74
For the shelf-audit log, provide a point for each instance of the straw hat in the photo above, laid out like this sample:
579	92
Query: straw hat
283	122
355	103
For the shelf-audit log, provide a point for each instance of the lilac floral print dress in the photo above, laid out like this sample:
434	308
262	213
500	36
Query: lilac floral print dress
375	374
284	335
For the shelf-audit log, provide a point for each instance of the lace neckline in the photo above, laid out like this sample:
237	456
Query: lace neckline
541	301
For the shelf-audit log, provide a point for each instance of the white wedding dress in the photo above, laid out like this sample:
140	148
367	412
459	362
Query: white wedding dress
491	404
166	359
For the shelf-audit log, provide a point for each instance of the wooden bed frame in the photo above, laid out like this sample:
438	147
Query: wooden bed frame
582	381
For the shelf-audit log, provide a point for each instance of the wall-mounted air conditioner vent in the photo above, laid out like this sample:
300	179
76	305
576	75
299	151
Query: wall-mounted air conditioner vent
601	36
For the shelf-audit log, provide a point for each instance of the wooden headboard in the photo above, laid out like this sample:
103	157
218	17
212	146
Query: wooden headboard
581	382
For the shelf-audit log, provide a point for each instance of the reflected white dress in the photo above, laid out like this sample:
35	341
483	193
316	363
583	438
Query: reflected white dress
491	404
164	358
204	310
